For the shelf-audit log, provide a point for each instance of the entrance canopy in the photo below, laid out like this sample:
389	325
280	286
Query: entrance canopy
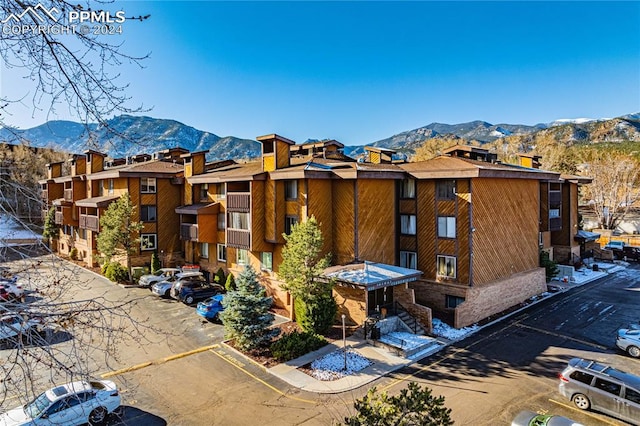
371	275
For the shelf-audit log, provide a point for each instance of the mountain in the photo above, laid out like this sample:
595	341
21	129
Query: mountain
129	135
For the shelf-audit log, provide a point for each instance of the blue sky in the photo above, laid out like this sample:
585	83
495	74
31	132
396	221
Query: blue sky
362	71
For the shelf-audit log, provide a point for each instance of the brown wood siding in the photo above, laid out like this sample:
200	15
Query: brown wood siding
258	217
447	207
448	247
279	211
342	195
407	206
374	157
426	227
208	229
197	164
463	230
544	206
376	220
319	205
407	243
569	216
282	155
270	210
571	210
168	198
505	217
134	194
292	208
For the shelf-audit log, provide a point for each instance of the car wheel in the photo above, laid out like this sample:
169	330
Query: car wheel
98	416
167	293
634	351
188	300
581	401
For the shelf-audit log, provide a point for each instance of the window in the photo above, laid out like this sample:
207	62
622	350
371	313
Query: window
82	233
291	190
148	241
554	213
242	257
221	191
238	220
408	224
446	189
446	227
222	221
222	252
582	377
607	386
100	189
631	395
148	185
446	266
408	259
148	213
408	188
204	250
204	192
452	302
111	186
289	222
266	261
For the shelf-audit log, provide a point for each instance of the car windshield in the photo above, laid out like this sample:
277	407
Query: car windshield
37	406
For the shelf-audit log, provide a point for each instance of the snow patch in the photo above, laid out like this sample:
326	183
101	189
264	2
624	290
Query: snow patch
444	330
331	366
406	341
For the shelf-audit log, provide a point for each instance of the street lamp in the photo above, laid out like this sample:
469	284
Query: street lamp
344	342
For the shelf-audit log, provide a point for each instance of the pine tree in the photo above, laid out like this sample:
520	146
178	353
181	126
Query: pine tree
246	316
230	282
155	262
220	278
50	227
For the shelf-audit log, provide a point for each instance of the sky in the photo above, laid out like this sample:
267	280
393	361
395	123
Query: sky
363	71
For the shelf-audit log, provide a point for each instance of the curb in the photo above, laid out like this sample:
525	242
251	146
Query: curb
249	359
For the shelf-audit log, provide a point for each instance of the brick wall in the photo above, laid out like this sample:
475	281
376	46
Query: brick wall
406	297
352	303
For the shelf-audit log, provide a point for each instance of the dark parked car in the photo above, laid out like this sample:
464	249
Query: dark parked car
194	290
627	253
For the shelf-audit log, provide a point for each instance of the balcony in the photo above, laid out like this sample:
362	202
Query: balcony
59	219
239	238
68	194
239	202
92	223
188	232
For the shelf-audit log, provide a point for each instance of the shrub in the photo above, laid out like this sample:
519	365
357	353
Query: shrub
155	262
316	315
116	272
104	267
295	344
73	254
550	267
230	284
220	277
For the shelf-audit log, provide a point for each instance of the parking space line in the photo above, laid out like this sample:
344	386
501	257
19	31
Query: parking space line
157	362
240	367
550	333
583	412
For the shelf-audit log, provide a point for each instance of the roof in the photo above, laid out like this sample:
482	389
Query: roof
445	167
151	168
382	150
465	148
276	137
576	179
201	208
585	236
371	275
233	172
97	201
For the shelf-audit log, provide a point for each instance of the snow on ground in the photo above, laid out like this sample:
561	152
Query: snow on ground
444	330
404	340
331	366
12	233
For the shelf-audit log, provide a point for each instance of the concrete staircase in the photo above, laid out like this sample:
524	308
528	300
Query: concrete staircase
412	325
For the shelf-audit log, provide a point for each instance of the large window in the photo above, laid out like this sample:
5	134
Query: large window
242	257
148	185
289	222
148	213
408	224
453	301
111	187
266	261
446	189
409	259
291	189
446	266
238	220
222	221
148	241
446	227
221	252
204	250
408	188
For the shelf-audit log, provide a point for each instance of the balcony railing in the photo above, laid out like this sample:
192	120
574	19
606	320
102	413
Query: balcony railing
68	194
238	202
188	232
59	219
92	223
239	238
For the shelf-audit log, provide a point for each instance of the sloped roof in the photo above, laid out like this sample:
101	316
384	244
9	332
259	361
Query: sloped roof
97	201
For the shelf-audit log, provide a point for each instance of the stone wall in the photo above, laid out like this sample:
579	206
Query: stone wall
351	302
407	298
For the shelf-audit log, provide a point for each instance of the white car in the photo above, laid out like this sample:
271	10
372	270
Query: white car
14	325
629	340
74	403
12	287
159	275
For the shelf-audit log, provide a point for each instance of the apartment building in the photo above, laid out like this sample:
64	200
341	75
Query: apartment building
154	185
457	236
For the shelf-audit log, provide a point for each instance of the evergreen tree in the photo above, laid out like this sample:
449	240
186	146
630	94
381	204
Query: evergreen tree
301	269
414	406
155	262
230	282
220	277
50	227
246	315
119	230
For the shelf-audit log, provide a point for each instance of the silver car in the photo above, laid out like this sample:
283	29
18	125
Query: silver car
629	340
592	385
163	288
529	418
159	275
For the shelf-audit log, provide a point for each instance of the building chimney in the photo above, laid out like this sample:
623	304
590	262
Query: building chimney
78	164
275	152
529	160
54	170
95	161
379	155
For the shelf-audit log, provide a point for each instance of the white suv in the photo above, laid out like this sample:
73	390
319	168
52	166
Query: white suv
159	275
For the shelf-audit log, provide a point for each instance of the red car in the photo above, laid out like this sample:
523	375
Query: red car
4	294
